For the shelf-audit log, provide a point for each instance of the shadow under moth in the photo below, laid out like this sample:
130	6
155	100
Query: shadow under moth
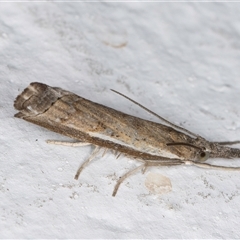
87	122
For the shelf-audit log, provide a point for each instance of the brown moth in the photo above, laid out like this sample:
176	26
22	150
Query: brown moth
153	144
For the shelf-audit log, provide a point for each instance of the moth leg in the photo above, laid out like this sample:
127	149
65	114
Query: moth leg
91	157
167	163
70	144
104	152
126	175
115	152
210	166
145	166
228	143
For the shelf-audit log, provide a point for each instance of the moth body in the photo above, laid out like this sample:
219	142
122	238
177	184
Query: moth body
73	116
153	143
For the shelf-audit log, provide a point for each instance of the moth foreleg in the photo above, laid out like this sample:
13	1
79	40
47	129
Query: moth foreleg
126	175
210	166
228	143
69	144
91	157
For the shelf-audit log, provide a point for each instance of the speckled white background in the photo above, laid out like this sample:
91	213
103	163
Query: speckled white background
182	60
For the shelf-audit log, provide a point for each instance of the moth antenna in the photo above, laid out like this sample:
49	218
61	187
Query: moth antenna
156	115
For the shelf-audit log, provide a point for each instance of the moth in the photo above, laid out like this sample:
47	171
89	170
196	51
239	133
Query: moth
151	143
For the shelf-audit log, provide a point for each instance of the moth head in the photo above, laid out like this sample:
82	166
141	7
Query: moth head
203	155
200	154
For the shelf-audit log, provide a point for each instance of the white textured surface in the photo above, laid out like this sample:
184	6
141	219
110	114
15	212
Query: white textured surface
182	60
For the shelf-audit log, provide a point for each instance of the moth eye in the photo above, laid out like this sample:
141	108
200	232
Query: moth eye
203	156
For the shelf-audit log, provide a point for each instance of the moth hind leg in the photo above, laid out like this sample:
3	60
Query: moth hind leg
78	144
